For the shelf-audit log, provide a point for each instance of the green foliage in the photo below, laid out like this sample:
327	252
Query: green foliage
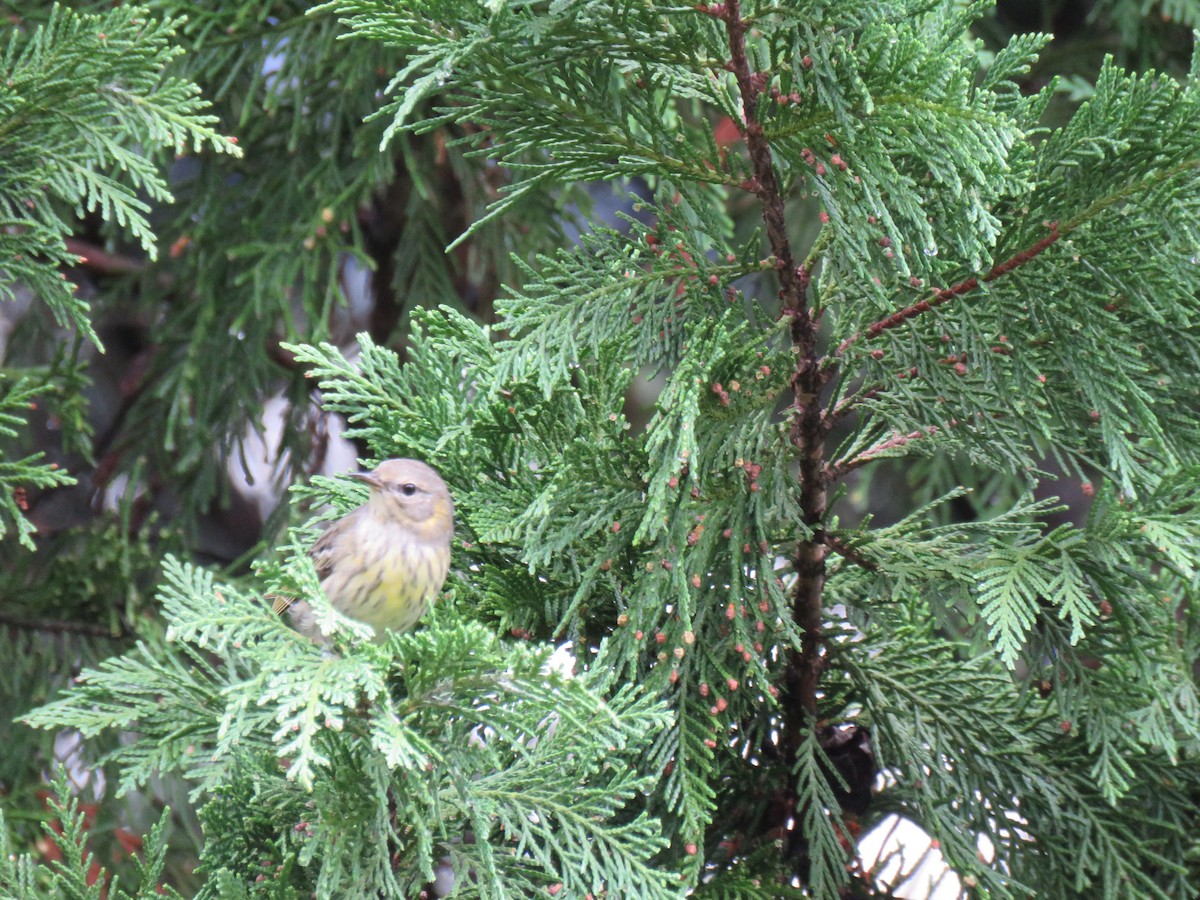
1056	335
74	872
84	106
292	229
128	216
865	249
17	475
444	742
82	99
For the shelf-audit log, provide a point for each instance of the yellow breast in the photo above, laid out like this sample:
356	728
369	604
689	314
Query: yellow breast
396	578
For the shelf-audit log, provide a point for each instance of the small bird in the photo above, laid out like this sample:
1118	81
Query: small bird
384	562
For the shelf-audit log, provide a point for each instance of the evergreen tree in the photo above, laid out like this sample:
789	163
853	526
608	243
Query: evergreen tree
936	283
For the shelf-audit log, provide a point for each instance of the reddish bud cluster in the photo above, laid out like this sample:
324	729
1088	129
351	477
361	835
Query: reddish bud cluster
753	470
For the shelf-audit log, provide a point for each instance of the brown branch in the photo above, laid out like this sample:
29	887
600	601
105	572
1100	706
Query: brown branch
793	279
100	260
844	550
838	469
945	294
847	405
807	433
58	626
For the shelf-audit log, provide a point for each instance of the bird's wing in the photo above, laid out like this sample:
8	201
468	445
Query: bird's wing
322	551
322	556
280	604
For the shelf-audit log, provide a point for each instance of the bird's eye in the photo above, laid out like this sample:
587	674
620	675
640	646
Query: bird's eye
408	489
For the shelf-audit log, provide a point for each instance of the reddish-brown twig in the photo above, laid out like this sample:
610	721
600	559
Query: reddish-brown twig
939	297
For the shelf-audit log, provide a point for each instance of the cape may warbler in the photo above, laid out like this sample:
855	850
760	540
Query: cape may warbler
383	563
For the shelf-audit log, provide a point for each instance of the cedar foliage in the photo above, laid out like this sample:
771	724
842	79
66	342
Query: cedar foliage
934	280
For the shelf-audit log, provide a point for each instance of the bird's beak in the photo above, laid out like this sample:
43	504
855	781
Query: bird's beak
368	478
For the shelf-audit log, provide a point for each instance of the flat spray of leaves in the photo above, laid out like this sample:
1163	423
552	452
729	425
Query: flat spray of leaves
444	742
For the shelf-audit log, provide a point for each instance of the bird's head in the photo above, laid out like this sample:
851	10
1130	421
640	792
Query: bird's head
412	493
